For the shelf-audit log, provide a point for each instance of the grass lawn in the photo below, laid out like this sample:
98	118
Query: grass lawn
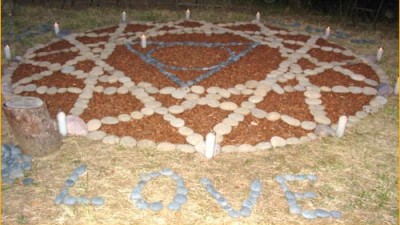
357	174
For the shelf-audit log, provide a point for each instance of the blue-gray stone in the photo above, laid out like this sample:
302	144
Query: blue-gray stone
145	177
174	206
69	183
322	213
256	185
384	89
154	174
7	180
290	177
81	169
136	193
5	148
141	204
175	176
27	158
182	190
97	201
312	177
284	187
205	181
181	199
166	172
247	203
67	69
26	165
222	201
233	214
156	206
141	184
289	195
59	199
245	212
300	177
280	179
180	182
74	177
5	172
15	151
299	195
310	194
253	200
336	214
83	200
295	209
3	165
16	173
69	200
27	181
309	214
255	194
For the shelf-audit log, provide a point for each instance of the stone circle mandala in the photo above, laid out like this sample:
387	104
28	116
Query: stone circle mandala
254	85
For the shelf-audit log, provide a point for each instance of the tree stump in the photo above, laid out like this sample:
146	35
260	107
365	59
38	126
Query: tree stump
36	133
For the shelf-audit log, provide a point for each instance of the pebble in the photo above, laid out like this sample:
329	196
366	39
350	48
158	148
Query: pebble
67	69
222	128
258	113
137	115
273	116
93	125
165	146
177	122
96	135
110	90
308	125
98	201
194	138
277	141
146	144
340	89
146	111
308	214
369	91
110	139
109	120
175	109
197	89
278	89
69	200
128	141
322	213
290	120
229	106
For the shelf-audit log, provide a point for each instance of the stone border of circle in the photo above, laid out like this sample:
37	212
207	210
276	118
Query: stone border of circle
256	90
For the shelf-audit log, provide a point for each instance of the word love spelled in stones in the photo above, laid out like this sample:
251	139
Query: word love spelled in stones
181	195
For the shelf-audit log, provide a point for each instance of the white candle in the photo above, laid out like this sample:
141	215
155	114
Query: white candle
210	145
188	14
56	28
341	126
396	87
62	123
143	41
258	17
379	54
7	52
123	17
327	32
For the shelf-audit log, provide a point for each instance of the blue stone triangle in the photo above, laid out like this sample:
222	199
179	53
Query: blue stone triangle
208	71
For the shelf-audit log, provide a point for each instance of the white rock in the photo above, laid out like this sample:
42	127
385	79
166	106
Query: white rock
177	122
167	90
137	115
147	111
185	148
355	90
256	99
313	101
93	124
277	141
290	120
308	125
128	141
236	116
110	90
258	113
264	145
229	106
41	89
222	128
278	89
322	119
146	144
242	110
197	89
161	110
165	147
30	87
110	139
194	139
369	91
292	141
340	89
74	90
179	93
251	84
122	90
176	109
246	148
273	116
185	131
109	120
229	148
312	94
96	135
124	117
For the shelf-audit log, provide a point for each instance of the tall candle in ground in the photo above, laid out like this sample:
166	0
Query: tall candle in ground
327	32
62	123
7	52
210	145
341	126
188	14
379	54
258	17
56	28
123	17
143	41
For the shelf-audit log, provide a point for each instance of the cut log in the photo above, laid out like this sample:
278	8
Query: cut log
34	130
